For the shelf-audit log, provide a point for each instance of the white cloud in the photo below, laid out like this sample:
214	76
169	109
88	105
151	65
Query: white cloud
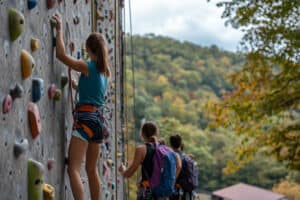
193	20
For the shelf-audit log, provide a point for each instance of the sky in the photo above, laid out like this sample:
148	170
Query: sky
196	21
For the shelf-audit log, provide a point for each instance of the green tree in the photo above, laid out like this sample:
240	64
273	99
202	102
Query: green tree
263	107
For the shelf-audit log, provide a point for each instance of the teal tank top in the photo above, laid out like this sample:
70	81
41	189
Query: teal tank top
92	88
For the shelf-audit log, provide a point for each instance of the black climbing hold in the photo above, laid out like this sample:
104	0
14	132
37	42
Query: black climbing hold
16	23
31	4
20	147
17	91
76	20
63	81
37	89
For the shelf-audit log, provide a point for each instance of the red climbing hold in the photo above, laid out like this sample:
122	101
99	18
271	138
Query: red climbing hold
72	46
50	164
50	4
51	91
34	120
7	104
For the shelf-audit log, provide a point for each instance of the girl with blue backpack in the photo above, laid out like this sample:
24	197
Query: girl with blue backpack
160	166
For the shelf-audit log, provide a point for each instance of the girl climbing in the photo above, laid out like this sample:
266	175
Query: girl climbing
144	155
89	128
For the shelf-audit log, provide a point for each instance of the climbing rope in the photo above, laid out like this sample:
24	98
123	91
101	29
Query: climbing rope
116	23
125	100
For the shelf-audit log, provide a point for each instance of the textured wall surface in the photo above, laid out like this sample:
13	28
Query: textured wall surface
52	142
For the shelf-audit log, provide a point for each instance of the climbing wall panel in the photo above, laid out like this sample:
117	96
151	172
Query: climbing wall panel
38	131
108	20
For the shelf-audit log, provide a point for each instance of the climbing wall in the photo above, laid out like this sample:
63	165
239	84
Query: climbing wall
35	114
108	14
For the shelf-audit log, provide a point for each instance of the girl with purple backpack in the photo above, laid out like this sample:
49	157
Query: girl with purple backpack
144	155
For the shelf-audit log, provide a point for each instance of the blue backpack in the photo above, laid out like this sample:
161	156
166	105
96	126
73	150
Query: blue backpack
163	177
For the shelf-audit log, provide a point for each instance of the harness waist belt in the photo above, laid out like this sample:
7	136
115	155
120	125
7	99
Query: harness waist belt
87	108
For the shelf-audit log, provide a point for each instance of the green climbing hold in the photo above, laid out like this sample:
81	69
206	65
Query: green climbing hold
35	180
16	23
57	95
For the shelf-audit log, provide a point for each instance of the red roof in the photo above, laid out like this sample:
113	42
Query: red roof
243	191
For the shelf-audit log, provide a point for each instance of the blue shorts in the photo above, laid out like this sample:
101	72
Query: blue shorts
90	124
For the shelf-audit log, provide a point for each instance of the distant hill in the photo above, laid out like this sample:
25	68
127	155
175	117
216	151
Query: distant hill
173	81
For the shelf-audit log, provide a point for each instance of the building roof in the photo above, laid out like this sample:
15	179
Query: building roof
243	191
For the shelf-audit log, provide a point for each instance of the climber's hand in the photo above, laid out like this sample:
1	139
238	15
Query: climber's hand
57	18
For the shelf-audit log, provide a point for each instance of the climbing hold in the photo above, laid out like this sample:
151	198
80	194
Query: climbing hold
50	164
51	91
49	192
99	15
72	47
37	89
63	81
34	120
78	55
17	91
111	15
20	147
31	4
35	180
119	154
27	64
76	20
35	44
7	104
109	162
50	4
57	95
74	1
16	23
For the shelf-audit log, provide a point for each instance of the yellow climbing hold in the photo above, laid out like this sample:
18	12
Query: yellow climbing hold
109	162
16	23
57	95
27	64
49	192
35	44
99	15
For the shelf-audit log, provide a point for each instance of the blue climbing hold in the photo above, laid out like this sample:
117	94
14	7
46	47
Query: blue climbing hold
31	4
37	89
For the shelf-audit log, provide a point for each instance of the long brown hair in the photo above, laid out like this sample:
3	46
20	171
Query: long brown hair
97	45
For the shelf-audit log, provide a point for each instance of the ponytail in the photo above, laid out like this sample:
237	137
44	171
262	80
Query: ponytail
96	43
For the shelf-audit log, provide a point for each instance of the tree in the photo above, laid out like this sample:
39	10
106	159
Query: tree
263	107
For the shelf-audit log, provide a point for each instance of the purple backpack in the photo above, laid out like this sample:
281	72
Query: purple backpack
163	177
